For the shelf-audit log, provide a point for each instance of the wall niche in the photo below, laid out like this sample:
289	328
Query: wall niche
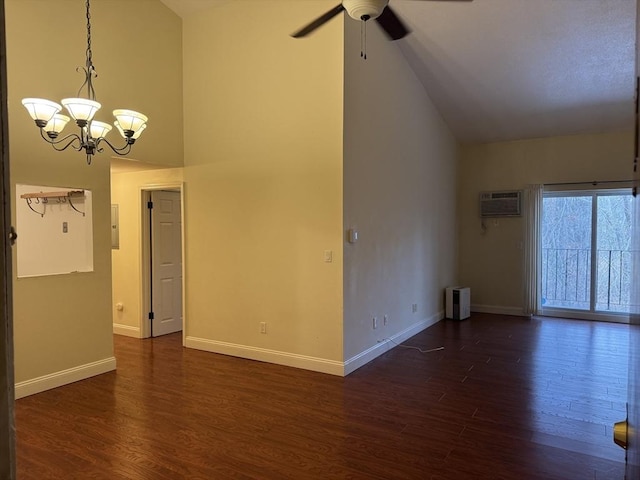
55	230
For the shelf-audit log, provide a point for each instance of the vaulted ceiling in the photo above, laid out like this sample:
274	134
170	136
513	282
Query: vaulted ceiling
510	69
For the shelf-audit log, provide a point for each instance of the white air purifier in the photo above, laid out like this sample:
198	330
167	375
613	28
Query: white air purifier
457	303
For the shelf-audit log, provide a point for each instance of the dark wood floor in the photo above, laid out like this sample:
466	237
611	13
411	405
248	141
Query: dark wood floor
507	398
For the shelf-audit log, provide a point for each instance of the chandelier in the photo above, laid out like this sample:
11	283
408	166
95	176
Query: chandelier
92	135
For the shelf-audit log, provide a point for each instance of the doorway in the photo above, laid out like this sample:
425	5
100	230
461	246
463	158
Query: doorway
163	294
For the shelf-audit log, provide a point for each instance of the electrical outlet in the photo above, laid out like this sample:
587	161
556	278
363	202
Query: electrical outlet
385	319
375	323
414	308
263	327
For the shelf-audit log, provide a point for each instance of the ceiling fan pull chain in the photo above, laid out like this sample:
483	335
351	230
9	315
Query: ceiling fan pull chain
363	38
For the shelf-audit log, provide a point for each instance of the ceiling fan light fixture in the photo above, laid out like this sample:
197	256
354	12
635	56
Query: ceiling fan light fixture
364	9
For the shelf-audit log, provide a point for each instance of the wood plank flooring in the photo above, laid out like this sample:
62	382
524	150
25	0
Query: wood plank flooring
507	398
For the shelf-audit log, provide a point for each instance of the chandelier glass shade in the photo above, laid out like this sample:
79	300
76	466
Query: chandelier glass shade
82	110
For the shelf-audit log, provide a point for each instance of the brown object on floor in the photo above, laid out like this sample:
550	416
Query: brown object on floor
508	398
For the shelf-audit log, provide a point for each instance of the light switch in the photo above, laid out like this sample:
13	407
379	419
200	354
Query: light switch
353	235
328	256
115	228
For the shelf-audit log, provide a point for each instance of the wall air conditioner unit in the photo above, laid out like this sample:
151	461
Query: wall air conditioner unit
500	204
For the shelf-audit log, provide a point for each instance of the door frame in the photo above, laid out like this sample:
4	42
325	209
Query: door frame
633	402
145	245
7	386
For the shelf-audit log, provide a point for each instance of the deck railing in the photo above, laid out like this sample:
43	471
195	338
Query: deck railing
566	279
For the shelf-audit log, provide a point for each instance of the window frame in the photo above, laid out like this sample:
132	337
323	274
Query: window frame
594	192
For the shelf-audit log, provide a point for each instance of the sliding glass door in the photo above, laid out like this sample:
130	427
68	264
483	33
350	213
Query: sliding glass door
586	259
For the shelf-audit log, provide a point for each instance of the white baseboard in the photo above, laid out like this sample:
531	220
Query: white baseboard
498	310
64	377
378	349
332	367
126	330
315	364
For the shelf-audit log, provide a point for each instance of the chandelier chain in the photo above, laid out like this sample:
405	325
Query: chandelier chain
89	69
89	53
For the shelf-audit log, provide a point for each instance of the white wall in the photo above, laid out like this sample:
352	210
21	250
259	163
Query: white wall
491	263
56	233
399	193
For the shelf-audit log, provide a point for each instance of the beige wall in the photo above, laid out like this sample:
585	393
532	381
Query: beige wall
491	263
126	261
263	174
399	188
64	322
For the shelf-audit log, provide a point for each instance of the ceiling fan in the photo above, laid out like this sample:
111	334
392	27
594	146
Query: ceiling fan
365	10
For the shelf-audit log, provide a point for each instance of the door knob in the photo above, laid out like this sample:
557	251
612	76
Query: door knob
620	430
12	236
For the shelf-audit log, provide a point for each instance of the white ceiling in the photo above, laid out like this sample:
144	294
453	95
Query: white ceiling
510	69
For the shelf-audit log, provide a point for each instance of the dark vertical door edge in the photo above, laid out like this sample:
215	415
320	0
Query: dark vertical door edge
7	395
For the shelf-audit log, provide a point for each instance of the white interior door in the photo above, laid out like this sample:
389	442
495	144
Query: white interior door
166	263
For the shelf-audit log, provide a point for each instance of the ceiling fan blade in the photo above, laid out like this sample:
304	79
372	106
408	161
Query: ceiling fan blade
318	22
391	24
